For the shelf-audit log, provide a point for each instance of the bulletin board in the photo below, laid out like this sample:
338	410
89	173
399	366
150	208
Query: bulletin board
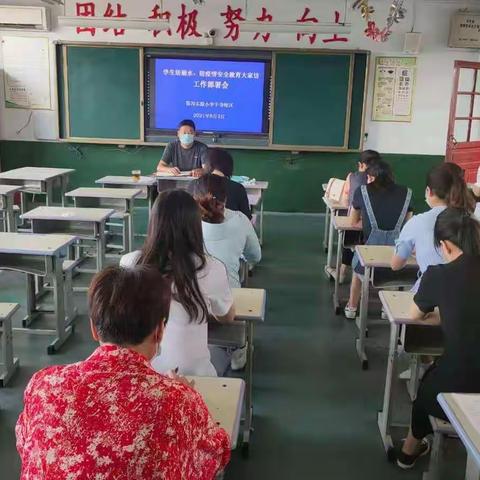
394	89
26	72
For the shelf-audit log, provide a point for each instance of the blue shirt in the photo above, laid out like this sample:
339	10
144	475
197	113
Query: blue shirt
231	240
417	237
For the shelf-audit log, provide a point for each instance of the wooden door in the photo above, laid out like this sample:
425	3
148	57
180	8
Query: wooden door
463	140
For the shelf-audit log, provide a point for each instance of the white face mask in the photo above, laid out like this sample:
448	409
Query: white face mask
427	198
186	138
158	351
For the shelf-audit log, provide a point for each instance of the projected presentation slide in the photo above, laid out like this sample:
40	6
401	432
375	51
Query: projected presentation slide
218	95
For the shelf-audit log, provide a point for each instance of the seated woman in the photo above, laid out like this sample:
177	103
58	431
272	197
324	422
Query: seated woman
228	235
383	207
353	181
220	162
174	244
445	188
453	289
112	416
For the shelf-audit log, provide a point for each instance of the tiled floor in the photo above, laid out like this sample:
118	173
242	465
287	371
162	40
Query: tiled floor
315	409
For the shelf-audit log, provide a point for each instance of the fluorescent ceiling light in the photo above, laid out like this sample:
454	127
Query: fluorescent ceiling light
294	27
109	22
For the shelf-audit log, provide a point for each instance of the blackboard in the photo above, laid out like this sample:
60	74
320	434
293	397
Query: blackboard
318	97
318	100
103	94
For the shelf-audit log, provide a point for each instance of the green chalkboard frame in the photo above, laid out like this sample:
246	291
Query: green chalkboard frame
75	125
305	71
354	116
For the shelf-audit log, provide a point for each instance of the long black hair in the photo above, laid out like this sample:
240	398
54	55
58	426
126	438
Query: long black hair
459	227
382	173
175	245
220	159
447	183
369	156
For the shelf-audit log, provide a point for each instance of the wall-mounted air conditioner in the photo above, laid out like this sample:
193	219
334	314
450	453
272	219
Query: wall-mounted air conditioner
23	18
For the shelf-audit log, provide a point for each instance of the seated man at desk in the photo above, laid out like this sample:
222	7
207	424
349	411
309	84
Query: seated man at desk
185	154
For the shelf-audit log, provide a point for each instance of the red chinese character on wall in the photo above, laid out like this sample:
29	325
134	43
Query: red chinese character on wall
232	17
86	10
188	23
157	14
264	17
306	19
117	13
335	37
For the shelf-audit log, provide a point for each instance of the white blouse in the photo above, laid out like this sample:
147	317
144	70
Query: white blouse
185	341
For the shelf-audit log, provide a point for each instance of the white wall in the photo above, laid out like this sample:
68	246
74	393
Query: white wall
426	134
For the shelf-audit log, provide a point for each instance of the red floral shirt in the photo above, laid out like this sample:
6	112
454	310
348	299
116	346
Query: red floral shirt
113	417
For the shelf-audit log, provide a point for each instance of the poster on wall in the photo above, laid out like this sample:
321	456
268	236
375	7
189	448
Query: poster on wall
465	30
393	89
26	71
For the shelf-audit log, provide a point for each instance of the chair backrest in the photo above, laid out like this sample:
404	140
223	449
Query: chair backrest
335	189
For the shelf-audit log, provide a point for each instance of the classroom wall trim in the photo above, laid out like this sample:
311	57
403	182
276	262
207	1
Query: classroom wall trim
295	180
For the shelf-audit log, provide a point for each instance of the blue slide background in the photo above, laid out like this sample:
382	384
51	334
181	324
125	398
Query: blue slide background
182	91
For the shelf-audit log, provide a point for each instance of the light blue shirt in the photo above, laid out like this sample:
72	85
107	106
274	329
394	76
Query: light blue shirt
231	240
417	237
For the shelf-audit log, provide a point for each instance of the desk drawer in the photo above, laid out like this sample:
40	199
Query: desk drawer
420	339
64	227
118	204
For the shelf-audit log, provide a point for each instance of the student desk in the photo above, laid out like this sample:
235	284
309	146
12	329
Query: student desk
341	225
41	255
371	257
250	306
332	209
147	184
38	180
255	191
464	418
120	199
224	399
84	223
7	193
9	363
327	219
397	307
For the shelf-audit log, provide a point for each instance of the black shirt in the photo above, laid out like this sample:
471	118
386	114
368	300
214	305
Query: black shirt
237	198
387	205
455	289
185	159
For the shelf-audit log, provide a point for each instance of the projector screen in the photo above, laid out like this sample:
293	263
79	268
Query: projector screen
220	96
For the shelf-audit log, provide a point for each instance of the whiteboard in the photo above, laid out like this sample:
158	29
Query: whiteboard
26	70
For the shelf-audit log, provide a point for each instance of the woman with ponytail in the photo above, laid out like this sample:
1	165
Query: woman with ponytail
229	236
447	296
445	188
